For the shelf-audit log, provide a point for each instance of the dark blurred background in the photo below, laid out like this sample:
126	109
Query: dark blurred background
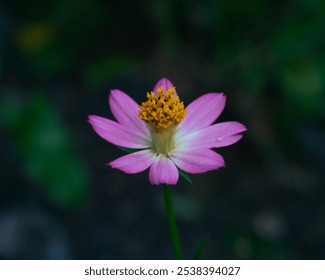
58	61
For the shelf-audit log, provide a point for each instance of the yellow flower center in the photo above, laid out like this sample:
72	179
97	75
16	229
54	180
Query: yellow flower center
162	113
162	110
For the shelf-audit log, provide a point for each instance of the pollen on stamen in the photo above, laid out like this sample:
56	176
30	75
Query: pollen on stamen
163	109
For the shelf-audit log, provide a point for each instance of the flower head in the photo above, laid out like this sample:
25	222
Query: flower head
168	135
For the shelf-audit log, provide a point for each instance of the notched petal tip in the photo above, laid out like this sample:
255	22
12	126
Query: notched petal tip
220	95
91	119
244	127
116	92
236	126
164	81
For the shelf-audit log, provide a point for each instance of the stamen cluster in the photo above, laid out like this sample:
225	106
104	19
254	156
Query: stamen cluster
163	109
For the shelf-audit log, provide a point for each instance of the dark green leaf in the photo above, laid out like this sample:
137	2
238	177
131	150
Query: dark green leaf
109	69
201	247
185	176
128	150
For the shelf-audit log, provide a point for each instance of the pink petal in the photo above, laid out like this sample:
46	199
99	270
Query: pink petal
202	112
125	110
165	83
118	134
135	162
214	136
197	160
163	171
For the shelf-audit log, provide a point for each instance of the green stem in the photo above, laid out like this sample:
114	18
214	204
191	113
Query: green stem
172	222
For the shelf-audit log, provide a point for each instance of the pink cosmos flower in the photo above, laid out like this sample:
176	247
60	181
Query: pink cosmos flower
169	137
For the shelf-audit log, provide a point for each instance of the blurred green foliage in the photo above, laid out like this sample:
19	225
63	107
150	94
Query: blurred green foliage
109	69
1	68
245	245
45	148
